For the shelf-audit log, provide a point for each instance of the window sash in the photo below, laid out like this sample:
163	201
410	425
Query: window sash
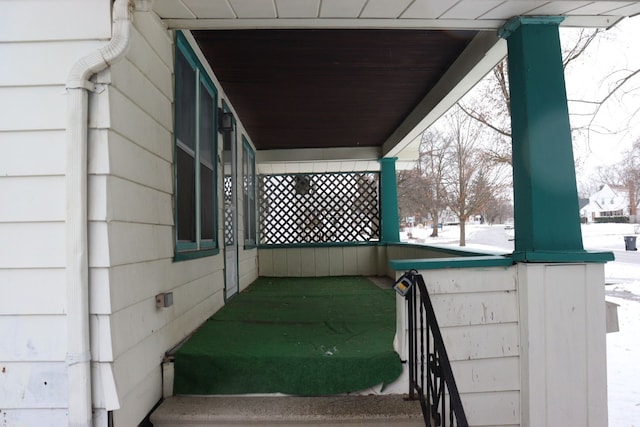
195	151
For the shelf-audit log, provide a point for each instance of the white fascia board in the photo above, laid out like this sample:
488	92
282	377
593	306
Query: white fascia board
311	160
318	155
480	56
586	21
590	21
331	23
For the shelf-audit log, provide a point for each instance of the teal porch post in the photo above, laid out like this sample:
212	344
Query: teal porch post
547	221
389	220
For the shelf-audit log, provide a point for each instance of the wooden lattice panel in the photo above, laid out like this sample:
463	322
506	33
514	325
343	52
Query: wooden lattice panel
319	208
229	229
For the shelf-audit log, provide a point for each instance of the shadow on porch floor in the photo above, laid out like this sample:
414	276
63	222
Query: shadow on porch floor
298	336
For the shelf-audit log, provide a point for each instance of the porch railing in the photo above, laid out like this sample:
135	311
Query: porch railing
430	377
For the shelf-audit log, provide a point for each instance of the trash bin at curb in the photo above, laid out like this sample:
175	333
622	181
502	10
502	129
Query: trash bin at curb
630	243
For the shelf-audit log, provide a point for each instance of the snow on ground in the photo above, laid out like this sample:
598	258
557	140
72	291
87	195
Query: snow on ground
622	286
623	366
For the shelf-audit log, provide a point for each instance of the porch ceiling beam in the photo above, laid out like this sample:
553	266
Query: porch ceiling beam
480	56
318	155
598	21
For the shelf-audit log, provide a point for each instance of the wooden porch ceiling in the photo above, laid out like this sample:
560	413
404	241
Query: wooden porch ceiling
365	77
328	88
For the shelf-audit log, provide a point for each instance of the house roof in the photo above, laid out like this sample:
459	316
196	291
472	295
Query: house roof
355	80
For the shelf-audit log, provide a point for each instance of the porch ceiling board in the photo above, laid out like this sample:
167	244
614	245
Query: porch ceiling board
424	14
327	88
319	74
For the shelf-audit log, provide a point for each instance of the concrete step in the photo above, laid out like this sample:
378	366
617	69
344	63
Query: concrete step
376	411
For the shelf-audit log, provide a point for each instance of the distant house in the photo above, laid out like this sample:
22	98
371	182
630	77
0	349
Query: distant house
609	201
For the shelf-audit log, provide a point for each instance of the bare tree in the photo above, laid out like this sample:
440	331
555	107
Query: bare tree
413	193
470	181
432	165
498	209
491	104
421	191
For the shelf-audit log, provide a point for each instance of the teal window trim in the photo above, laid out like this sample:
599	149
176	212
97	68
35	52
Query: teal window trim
249	189
188	255
198	246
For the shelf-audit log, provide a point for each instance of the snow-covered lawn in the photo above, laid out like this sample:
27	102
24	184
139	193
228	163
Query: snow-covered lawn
622	278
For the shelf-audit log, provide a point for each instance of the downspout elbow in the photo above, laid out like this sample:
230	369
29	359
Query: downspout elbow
103	57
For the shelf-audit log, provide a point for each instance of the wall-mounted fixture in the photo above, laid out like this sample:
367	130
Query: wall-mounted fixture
225	120
404	283
164	299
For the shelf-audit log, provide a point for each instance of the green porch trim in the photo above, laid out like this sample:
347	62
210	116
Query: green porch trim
448	250
545	193
389	217
514	23
184	256
563	256
456	262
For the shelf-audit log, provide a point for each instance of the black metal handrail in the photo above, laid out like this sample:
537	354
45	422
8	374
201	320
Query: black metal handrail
430	376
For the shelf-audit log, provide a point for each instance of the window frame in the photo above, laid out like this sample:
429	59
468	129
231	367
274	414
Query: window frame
250	206
199	247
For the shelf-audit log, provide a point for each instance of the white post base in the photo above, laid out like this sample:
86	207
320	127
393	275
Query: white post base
563	344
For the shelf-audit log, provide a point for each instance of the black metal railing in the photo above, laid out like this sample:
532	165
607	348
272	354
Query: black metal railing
430	377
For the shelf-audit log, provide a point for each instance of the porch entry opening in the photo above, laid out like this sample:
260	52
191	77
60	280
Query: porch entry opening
300	336
319	208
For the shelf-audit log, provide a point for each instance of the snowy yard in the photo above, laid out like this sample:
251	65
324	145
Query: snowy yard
622	286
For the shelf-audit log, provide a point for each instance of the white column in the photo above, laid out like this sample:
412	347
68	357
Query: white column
563	344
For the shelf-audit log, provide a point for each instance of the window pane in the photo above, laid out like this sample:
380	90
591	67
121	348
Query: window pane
185	102
207	127
207	135
185	197
206	204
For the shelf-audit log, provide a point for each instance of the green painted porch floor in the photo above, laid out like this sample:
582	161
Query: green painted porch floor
299	336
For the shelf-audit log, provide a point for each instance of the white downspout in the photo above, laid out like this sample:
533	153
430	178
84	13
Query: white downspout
77	264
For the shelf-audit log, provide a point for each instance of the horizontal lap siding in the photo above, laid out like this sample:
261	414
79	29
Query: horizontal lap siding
477	310
320	261
137	180
43	20
28	291
33	385
40	41
32	153
34	417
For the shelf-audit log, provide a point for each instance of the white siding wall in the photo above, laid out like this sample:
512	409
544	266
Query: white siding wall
340	261
563	333
477	310
137	184
39	43
319	261
130	214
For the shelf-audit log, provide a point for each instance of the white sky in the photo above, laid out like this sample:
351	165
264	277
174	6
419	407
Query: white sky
590	78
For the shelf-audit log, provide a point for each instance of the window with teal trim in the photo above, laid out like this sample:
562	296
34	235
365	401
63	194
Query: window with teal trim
249	193
195	156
